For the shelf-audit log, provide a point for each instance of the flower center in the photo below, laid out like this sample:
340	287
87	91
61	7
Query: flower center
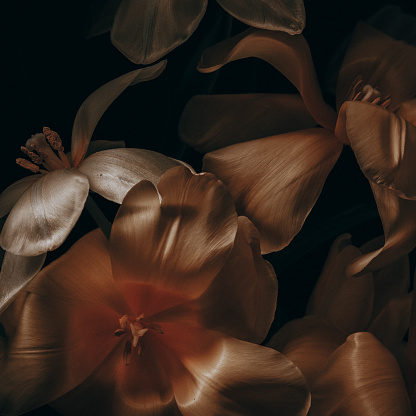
40	149
368	93
136	327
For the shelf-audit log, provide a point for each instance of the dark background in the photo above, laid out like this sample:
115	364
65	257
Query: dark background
48	67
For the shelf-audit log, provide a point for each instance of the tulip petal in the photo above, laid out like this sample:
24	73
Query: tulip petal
380	61
384	145
61	328
287	16
95	105
360	375
210	122
398	219
179	244
276	181
288	54
16	273
145	31
45	214
11	194
408	111
112	173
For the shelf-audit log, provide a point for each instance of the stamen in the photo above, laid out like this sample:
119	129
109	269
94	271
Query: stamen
49	159
33	156
357	96
53	138
27	165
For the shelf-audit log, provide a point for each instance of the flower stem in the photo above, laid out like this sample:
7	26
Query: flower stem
98	216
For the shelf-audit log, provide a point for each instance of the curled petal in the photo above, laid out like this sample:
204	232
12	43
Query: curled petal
380	61
95	105
384	145
276	181
45	214
145	31
408	111
11	195
288	54
112	173
287	16
210	122
360	375
178	244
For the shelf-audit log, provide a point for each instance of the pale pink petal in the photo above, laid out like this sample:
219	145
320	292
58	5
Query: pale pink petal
276	181
210	122
361	377
45	214
408	111
112	173
384	145
179	244
380	61
11	195
398	219
145	31
95	105
288	54
287	16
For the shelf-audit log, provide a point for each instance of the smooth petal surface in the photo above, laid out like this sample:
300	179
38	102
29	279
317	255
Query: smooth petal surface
11	194
380	61
112	173
284	15
44	215
276	181
361	377
180	243
384	145
145	31
210	122
16	273
398	219
95	105
288	54
408	111
61	329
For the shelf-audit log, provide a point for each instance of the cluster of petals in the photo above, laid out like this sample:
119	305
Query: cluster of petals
267	150
161	319
350	346
146	30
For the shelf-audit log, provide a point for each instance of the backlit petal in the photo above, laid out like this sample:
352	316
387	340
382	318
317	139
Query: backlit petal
210	122
178	244
112	173
12	193
384	145
288	54
145	31
95	105
380	61
360	376
288	16
45	214
276	181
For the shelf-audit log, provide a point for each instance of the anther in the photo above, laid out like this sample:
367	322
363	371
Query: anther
53	139
33	156
27	165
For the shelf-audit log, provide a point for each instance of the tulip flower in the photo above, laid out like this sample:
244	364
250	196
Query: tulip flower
160	319
145	31
277	178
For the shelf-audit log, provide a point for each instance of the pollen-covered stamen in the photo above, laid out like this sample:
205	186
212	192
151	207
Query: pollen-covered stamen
56	143
38	144
367	93
37	159
27	165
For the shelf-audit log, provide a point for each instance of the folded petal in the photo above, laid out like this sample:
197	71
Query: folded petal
384	145
408	111
276	181
145	31
210	122
287	16
95	105
360	375
16	273
112	173
11	194
380	61
45	214
61	328
398	219
179	244
288	54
